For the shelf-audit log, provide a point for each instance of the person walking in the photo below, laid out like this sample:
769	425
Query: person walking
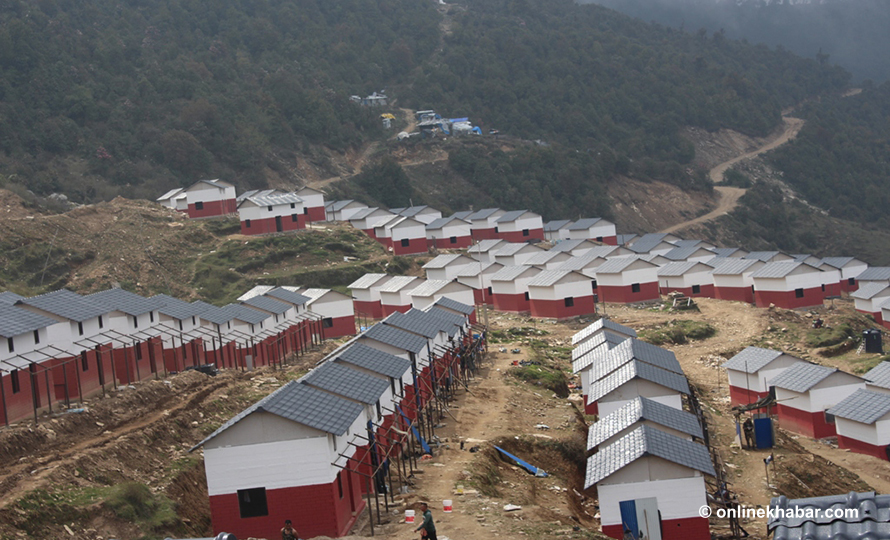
288	532
427	527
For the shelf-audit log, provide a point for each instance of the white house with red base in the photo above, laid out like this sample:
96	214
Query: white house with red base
478	277
586	354
483	223
520	226
750	371
343	210
406	236
654	243
560	294
597	229
788	285
874	274
877	379
598	327
366	294
548	260
557	230
509	288
313	203
515	254
395	293
175	199
579	248
862	422
769	256
449	233
627	280
447	266
424	214
271	214
850	269
210	198
636	378
870	297
688	277
642	412
280	459
428	292
689	253
652	483
732	278
367	219
336	310
484	250
805	392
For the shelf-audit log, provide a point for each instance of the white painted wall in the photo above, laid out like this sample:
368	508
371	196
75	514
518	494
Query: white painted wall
619	397
677	498
249	210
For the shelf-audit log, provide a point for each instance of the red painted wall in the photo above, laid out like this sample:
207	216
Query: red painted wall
742	396
415	245
610	240
511	302
788	300
267	225
832	289
214	208
445	243
805	423
373	310
316	213
556	309
343	326
625	295
879	318
846	287
483	234
861	447
518	237
693	528
389	310
589	408
706	291
737	294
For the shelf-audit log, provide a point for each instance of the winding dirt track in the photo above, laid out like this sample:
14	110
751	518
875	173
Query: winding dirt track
729	196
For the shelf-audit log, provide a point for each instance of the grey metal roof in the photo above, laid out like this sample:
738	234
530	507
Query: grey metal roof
304	405
584	224
647	242
801	377
170	194
556	224
871	519
254	193
364	212
67	304
366	281
482	214
865	406
397	283
511	248
451	320
394	337
631	350
600	324
765	256
213	314
725	252
463	214
9	298
246	314
642	408
682	253
429	287
779	269
474	269
689	243
412	211
875	273
176	308
879	375
286	295
625	238
646	441
423	326
679	268
569	245
454	305
548	278
484	246
513	215
732	266
268	304
633	370
348	382
867	291
336	206
442	221
374	360
15	321
581	262
594	349
510	273
751	359
125	301
445	260
544	257
275	199
616	265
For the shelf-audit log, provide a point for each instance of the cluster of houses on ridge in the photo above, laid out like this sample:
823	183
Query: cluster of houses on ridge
646	456
308	451
62	347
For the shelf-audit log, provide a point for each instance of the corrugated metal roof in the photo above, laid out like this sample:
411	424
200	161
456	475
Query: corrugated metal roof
513	215
647	242
510	273
366	281
570	245
634	350
266	303
213	314
364	212
867	291
348	382
548	278
801	377
474	269
544	257
15	321
304	405
67	304
246	314
871	519
454	305
315	294
780	269
511	248
732	266
275	200
176	308
642	442
429	287
679	268
423	326
623	239
765	256
125	301
394	337
691	243
875	273
397	283
582	262
751	359
684	252
863	406
556	224
725	252
600	324
170	194
879	375
484	246
634	370
289	296
617	265
482	214
441	222
462	215
446	260
9	298
594	349
637	410
375	360
336	206
412	211
584	224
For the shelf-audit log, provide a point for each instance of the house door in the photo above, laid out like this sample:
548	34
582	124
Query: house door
278	227
641	518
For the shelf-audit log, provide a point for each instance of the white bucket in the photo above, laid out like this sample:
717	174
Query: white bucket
446	506
409	516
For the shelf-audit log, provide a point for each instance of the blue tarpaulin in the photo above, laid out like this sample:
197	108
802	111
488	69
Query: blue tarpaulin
527	466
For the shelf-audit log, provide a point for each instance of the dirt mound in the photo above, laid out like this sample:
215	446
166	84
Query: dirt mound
14	207
801	474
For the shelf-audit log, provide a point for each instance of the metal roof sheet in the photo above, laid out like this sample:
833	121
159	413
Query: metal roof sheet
867	291
680	268
375	360
304	405
600	324
484	246
275	199
870	520
15	321
482	214
765	256
623	239
348	382
875	273
446	260
617	265
780	269
397	283
642	442
732	266
570	245
548	278
879	375
366	281
336	206
415	324
462	215
642	408
266	303
442	221
246	314
125	301
9	298
429	287
725	252
176	308
364	212
584	224
412	211
556	224
647	242
634	350
67	304
690	243
544	257
801	377
395	337
682	253
633	370
510	273
751	359
286	295
451	320
170	194
513	215
476	268
863	406
454	305
594	349
512	248
213	314
582	262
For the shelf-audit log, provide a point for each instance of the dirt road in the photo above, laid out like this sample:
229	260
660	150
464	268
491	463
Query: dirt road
729	196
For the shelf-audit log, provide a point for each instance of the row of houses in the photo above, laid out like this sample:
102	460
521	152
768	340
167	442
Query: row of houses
62	347
646	457
311	449
815	400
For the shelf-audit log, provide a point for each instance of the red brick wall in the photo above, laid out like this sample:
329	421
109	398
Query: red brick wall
213	208
518	237
511	302
706	291
483	234
389	310
556	309
316	213
625	294
738	294
445	243
861	447
788	299
805	423
693	528
415	245
267	225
